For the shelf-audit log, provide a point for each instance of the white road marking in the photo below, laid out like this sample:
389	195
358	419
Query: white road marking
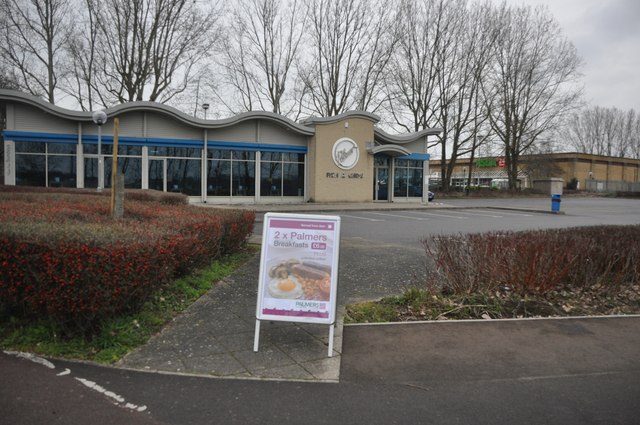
118	398
398	216
475	214
443	215
361	218
31	357
516	214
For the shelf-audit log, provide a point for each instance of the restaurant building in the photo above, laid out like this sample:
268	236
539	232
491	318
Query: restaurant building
254	157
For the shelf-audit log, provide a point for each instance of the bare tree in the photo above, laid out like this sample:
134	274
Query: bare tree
412	95
462	58
602	131
635	138
8	79
150	48
238	76
350	48
259	51
532	84
33	36
442	56
80	82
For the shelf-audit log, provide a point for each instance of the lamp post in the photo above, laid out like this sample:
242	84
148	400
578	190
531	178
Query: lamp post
99	118
464	179
205	106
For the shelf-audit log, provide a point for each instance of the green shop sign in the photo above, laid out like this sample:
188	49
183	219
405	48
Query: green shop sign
486	162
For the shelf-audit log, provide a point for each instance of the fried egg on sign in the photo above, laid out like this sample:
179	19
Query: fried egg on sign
287	288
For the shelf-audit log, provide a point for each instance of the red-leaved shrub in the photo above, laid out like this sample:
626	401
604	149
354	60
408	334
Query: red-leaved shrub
535	262
63	257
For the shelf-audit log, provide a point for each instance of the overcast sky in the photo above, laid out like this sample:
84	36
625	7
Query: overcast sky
607	36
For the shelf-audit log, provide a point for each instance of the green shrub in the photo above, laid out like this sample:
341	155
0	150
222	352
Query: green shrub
572	184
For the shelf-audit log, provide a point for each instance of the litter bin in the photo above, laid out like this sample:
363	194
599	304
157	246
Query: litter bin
555	203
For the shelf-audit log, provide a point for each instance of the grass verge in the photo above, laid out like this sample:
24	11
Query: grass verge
420	304
119	336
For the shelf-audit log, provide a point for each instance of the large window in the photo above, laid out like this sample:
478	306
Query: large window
45	164
129	164
231	173
175	169
183	176
243	177
407	179
281	174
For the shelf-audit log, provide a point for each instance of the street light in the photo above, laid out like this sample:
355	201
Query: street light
205	106
99	118
464	179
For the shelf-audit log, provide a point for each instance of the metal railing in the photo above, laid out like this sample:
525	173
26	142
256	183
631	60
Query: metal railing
612	186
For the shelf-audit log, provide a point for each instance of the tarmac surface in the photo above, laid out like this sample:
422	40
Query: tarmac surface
552	371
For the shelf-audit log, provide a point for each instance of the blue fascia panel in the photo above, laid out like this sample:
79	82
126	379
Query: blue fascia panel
22	136
25	136
181	143
416	156
248	146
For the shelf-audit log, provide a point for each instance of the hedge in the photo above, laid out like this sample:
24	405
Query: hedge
64	258
535	262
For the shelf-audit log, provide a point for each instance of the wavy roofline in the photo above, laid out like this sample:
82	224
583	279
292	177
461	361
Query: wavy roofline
346	115
144	106
385	137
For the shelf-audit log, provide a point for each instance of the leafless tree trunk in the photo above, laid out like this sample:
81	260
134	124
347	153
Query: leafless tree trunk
462	60
33	36
149	48
412	94
436	73
83	64
261	47
350	48
532	85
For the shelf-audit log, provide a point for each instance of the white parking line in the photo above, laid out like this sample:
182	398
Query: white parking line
398	216
475	214
361	218
516	214
442	215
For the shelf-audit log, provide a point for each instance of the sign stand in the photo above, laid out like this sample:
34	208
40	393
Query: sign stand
298	271
256	338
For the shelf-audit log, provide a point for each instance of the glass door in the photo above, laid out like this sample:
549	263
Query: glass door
381	184
157	174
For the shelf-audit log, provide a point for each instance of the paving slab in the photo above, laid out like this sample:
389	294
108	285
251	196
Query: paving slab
214	337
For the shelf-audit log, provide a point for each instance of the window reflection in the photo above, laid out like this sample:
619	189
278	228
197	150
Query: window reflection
130	167
281	174
231	173
407	181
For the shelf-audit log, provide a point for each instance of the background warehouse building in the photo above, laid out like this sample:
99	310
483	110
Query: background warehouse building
594	173
255	157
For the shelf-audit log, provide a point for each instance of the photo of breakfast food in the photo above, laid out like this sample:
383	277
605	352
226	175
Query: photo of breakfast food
294	279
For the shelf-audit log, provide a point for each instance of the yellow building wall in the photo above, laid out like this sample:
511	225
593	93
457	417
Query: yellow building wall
327	181
581	166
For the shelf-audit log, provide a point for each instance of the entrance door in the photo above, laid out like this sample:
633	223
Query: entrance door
381	184
158	174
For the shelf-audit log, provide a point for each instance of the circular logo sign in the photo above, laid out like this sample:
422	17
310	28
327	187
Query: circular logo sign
345	153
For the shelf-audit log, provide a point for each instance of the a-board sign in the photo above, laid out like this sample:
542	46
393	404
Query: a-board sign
299	268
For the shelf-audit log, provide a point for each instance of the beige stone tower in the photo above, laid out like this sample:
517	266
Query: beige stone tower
340	167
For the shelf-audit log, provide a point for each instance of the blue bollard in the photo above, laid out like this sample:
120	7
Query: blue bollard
555	203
